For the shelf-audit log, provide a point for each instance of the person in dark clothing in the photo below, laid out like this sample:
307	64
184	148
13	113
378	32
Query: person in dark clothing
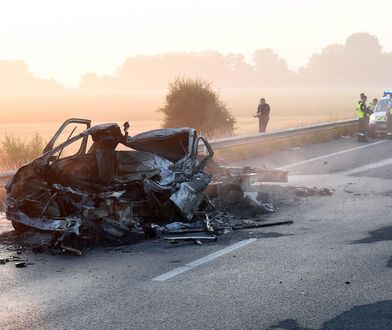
263	111
363	114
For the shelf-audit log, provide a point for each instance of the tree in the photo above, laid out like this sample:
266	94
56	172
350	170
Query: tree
359	62
193	103
270	69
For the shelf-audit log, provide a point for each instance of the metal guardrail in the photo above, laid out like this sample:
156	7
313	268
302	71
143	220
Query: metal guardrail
4	176
262	137
247	139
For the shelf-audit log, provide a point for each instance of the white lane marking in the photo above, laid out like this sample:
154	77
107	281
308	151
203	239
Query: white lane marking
333	154
202	260
371	166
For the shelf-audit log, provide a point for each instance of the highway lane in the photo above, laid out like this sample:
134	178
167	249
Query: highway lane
327	157
331	269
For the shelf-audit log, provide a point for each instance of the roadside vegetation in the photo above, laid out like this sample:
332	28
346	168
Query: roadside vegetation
2	200
15	152
193	103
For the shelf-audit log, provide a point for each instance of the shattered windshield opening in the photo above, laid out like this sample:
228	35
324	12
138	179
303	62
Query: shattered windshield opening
69	150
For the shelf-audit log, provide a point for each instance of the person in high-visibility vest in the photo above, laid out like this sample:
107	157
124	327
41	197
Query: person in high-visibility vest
363	118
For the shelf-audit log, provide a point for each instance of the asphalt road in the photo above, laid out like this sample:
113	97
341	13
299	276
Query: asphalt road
331	269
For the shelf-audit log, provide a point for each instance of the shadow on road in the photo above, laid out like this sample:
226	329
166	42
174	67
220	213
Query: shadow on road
288	324
364	317
389	264
382	234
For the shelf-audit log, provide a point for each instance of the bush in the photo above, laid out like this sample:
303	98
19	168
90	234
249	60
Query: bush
193	103
14	152
2	199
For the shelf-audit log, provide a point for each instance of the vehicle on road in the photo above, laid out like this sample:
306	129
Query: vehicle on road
104	182
378	120
97	184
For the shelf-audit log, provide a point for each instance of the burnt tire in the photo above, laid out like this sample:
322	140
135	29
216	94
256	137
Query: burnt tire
19	227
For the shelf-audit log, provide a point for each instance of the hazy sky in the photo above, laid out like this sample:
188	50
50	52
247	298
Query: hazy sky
65	39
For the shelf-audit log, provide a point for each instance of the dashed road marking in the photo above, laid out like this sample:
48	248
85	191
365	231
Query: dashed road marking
371	166
332	154
202	260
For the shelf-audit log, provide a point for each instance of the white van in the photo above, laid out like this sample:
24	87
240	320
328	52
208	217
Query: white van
378	119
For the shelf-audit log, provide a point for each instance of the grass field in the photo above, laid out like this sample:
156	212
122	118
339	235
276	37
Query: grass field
142	106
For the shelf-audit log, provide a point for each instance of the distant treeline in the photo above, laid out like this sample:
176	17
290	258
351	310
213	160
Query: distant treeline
360	62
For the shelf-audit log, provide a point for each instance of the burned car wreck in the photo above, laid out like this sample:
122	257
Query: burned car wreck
117	184
101	184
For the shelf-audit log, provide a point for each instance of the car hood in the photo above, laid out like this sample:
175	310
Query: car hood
379	116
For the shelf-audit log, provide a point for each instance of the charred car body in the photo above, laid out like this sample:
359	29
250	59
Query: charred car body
111	183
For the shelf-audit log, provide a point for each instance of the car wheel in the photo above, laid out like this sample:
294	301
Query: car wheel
19	227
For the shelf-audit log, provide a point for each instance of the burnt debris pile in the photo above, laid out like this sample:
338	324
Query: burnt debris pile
158	182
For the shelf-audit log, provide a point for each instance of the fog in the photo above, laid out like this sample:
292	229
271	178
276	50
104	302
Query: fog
327	86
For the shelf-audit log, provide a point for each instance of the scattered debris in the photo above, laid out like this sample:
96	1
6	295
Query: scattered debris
259	225
195	239
16	259
71	250
306	192
38	249
20	264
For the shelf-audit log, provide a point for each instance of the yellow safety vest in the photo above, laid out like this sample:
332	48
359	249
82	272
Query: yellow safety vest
360	113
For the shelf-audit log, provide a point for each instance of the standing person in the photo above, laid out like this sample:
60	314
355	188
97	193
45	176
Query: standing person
372	105
263	111
363	118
